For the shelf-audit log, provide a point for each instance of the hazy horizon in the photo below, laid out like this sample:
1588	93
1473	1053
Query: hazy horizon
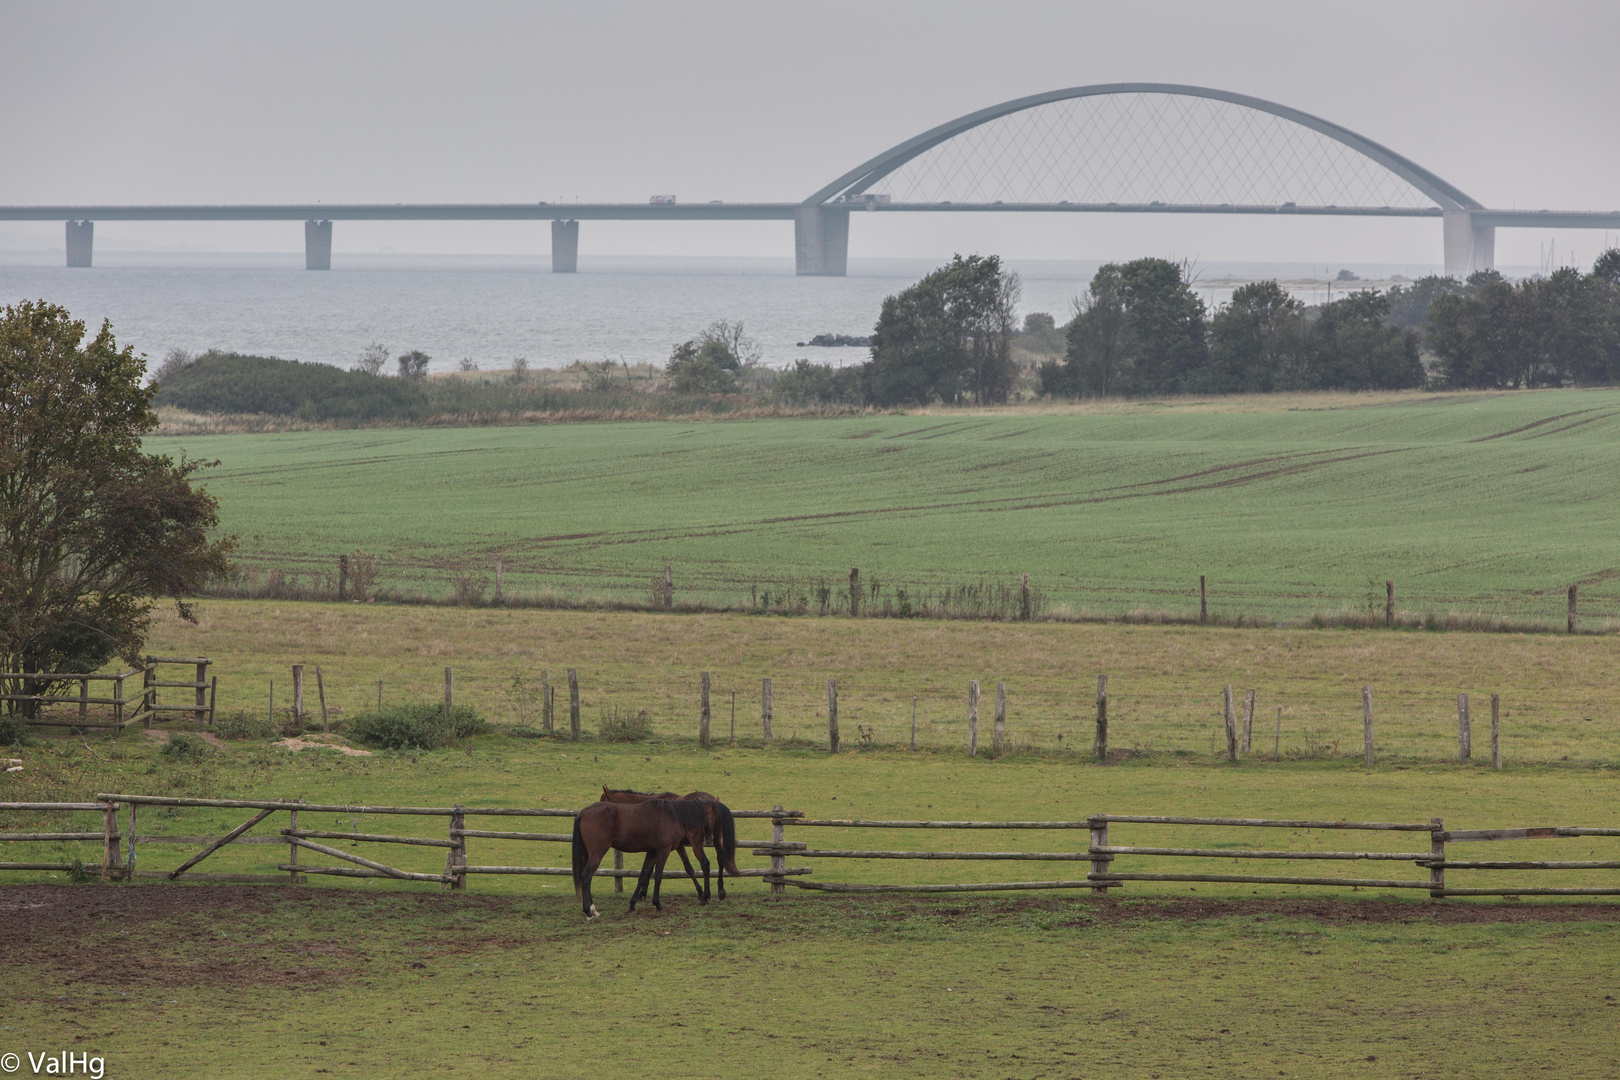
173	102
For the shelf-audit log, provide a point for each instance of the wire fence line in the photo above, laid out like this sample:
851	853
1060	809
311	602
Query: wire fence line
1420	722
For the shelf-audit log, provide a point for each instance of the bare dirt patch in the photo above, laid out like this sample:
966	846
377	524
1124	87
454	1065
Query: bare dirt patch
210	738
296	744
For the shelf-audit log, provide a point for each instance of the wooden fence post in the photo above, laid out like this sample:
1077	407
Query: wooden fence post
1248	719
854	592
832	714
1099	862
292	848
449	692
1099	745
778	860
1464	736
1203	602
1366	724
497	580
1000	735
1573	589
456	859
213	695
111	858
545	699
1496	731
618	864
118	700
573	704
1437	851
84	699
201	693
765	705
973	717
1389	603
703	709
298	693
669	589
320	690
1231	724
1024	611
148	691
343	577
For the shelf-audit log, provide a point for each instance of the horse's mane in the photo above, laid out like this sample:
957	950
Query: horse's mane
688	813
626	790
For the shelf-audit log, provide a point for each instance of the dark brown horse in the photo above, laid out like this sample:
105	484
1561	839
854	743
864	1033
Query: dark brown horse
720	833
656	827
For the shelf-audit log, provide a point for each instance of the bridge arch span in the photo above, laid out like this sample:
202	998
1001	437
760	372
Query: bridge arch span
1141	147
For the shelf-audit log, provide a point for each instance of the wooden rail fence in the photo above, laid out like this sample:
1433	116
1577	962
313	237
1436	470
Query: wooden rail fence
33	690
119	841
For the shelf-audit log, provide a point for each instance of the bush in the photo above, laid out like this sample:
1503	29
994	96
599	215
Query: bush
13	732
184	747
220	382
624	727
244	725
419	725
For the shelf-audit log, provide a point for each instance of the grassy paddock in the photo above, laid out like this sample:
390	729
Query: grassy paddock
1485	504
229	982
1558	692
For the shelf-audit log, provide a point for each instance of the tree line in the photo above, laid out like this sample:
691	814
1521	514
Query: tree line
1140	329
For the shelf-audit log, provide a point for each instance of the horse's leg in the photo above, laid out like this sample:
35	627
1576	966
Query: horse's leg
641	882
591	864
691	873
658	884
703	861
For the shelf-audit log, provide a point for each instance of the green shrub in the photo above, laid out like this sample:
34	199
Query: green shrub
220	382
184	747
623	727
421	725
243	725
13	732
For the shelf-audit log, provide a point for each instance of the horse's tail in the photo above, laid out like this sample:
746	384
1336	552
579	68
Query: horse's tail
726	842
582	856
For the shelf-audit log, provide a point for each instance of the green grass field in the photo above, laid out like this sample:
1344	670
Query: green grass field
506	979
1479	503
1558	692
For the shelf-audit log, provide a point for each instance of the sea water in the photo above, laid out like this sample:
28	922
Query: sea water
492	309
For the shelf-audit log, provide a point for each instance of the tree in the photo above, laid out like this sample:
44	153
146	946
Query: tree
1350	346
373	358
413	365
948	337
1255	341
92	529
1140	330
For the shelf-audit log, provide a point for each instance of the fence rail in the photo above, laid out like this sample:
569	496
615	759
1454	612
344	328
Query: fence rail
29	690
118	837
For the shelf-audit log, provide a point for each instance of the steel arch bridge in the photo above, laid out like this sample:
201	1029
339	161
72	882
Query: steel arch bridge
1109	148
1141	148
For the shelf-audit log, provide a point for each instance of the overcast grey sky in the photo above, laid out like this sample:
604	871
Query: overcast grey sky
1516	103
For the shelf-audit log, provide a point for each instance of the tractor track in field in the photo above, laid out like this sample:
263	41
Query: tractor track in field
1533	424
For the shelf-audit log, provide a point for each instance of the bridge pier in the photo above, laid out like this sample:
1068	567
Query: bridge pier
1469	247
80	237
564	247
821	240
317	245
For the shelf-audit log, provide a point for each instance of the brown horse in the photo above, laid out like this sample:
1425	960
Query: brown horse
720	832
656	827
